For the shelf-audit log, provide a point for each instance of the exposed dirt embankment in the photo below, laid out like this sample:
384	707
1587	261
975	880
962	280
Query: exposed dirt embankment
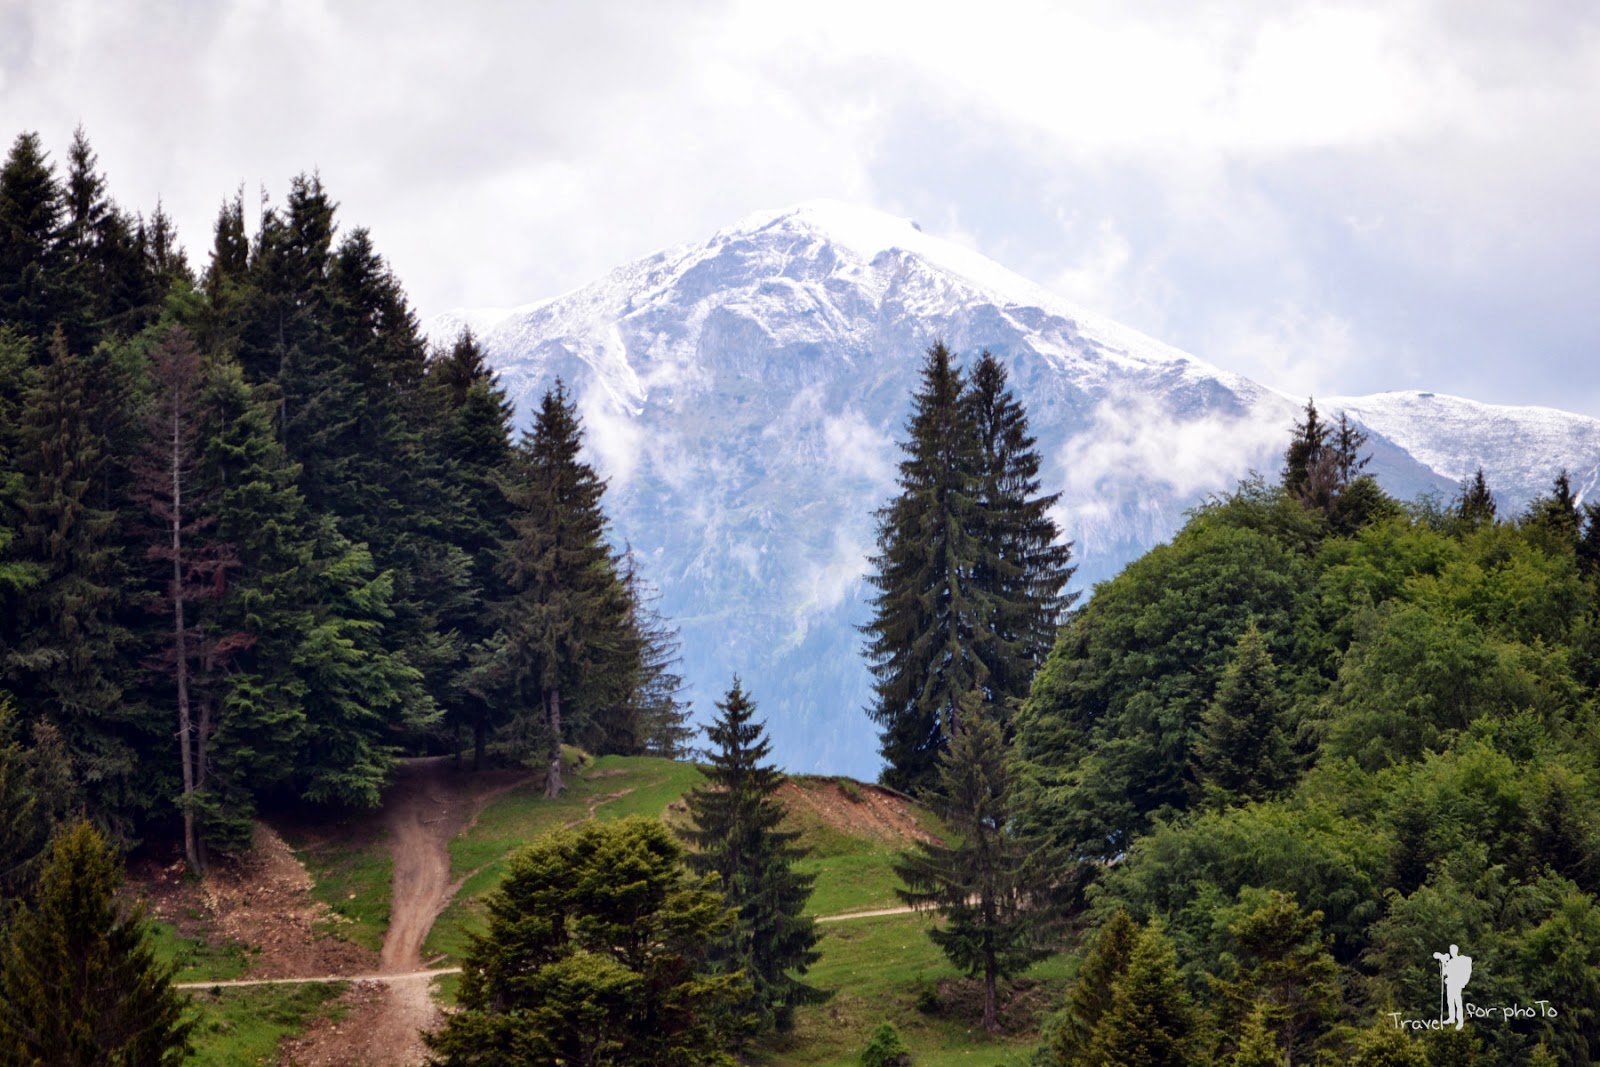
856	809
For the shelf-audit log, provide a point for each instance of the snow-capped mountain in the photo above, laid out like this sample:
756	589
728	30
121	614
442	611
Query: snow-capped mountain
744	396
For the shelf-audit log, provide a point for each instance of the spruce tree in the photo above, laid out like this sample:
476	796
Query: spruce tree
1020	566
736	836
1282	970
1069	1033
1305	449
1242	753
1554	517
474	441
1151	1020
66	662
1475	505
927	612
988	884
564	653
79	981
658	721
32	262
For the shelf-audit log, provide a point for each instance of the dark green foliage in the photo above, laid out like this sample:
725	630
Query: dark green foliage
37	793
658	721
31	253
1553	520
66	660
1068	1034
968	575
1306	447
926	611
1020	566
1107	735
886	1049
736	837
1475	505
597	951
565	655
990	884
1241	753
79	983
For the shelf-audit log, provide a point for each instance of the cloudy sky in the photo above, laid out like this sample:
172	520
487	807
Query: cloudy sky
1329	197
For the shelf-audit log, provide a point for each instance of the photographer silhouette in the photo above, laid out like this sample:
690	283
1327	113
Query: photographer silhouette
1455	971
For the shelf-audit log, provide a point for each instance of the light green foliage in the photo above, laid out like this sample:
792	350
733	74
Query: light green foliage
1385	1046
1256	1047
1068	1034
886	1049
597	952
1151	1021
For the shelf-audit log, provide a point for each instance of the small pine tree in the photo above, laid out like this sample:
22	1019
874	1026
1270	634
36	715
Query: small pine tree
1151	1021
1256	1046
1381	1045
986	883
1242	753
1069	1034
1475	505
79	982
1283	969
1305	448
736	819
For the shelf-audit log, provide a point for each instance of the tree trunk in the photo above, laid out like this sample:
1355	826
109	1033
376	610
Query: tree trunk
991	1017
181	650
480	741
552	782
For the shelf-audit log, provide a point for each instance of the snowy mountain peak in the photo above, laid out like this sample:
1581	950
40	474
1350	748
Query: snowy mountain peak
743	395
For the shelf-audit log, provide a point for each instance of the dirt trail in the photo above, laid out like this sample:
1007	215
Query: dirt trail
431	801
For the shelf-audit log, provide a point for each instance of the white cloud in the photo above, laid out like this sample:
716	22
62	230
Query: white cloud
1133	443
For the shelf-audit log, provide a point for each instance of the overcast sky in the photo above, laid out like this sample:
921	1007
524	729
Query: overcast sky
1327	197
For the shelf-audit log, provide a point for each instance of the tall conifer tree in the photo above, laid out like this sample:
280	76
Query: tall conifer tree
564	651
1021	566
31	256
927	611
65	663
988	884
736	835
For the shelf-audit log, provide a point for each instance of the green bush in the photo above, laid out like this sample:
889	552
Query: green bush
886	1049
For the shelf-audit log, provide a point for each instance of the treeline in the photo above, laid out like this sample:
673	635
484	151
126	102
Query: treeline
257	538
1277	764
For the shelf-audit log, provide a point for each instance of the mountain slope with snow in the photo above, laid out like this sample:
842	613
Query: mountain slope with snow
744	396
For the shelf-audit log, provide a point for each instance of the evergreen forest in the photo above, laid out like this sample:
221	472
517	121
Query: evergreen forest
260	541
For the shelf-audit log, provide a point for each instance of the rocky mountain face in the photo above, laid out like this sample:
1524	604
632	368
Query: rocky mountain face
744	397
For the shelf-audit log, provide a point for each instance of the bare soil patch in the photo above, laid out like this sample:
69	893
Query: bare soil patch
261	900
860	810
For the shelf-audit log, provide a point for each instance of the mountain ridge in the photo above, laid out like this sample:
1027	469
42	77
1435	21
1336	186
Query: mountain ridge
744	394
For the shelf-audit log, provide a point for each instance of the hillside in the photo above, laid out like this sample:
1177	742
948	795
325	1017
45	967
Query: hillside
379	907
